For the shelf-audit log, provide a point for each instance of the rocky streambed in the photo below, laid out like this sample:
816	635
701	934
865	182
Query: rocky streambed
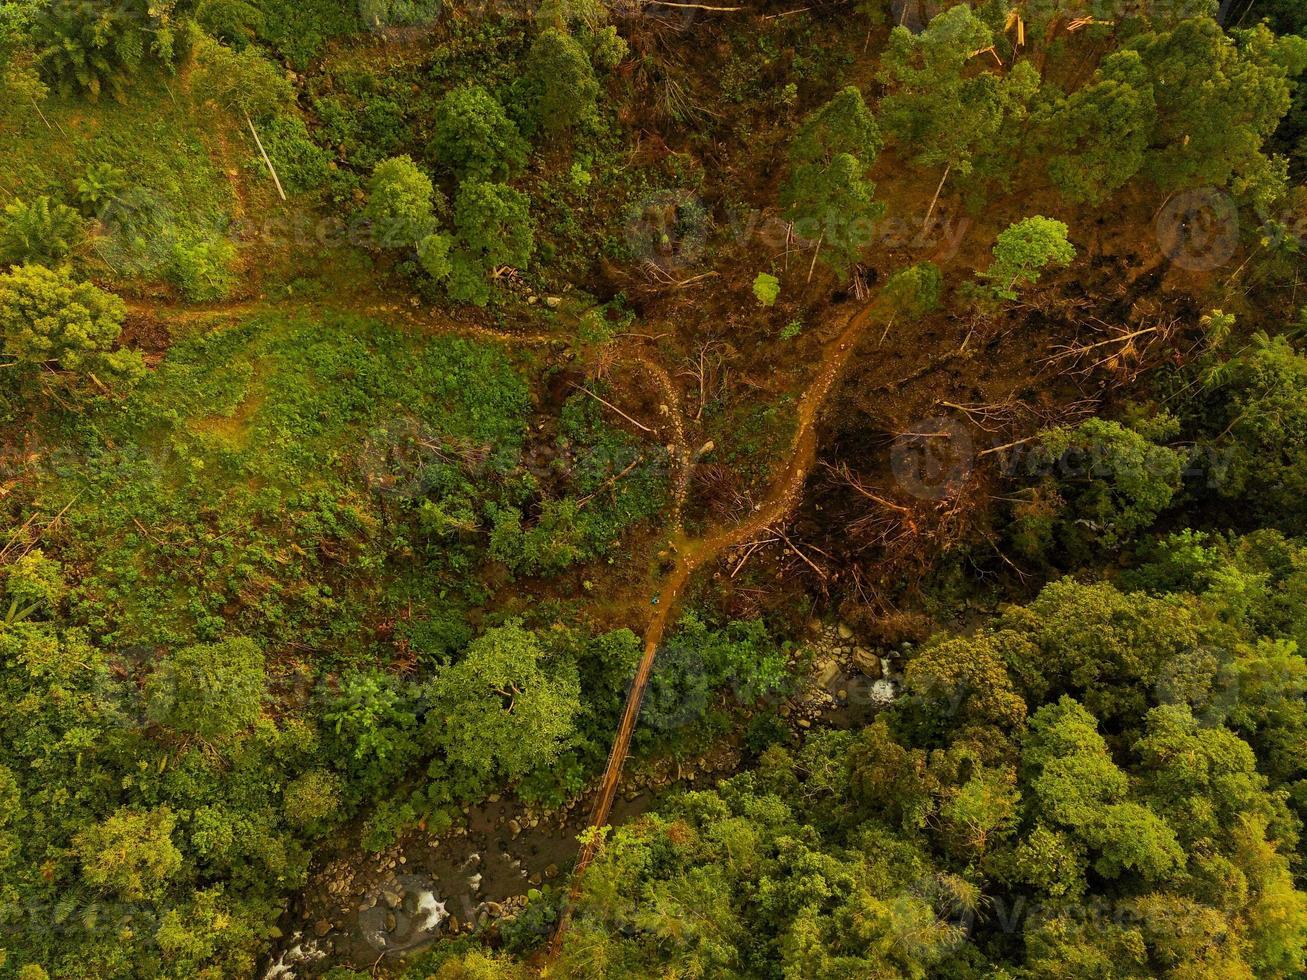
363	908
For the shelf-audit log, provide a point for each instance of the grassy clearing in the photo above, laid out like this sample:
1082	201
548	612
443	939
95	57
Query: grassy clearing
267	478
177	192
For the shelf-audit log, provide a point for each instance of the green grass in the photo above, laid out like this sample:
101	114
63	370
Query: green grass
264	480
177	191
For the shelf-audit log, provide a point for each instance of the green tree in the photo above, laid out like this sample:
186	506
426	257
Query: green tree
1255	420
842	125
213	691
1024	250
49	319
1097	138
1218	100
560	82
1098	484
834	205
401	203
563	15
940	111
492	223
1117	653
243	80
504	708
827	195
39	231
912	292
1075	784
313	799
130	853
474	138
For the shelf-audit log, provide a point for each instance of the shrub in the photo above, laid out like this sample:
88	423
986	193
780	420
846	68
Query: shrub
213	691
96	45
301	164
48	318
39	231
766	288
202	268
100	186
130	854
312	799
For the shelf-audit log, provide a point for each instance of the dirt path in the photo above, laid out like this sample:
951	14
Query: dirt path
428	320
694	553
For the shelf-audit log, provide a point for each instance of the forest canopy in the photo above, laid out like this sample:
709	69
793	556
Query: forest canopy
779	491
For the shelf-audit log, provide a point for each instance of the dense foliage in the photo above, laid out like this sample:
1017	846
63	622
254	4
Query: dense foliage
922	384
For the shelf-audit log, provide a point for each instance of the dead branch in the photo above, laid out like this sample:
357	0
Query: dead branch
608	483
639	425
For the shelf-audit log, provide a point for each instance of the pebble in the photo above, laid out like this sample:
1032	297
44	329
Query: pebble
321	928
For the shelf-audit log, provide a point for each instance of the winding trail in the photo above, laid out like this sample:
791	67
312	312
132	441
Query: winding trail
694	553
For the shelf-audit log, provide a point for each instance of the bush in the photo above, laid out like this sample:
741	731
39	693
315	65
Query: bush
766	288
48	318
301	164
96	45
100	186
130	854
202	268
34	582
38	231
312	800
213	691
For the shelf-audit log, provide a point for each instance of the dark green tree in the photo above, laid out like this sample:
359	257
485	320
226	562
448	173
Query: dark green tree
474	138
492	226
1097	138
560	83
939	109
1218	100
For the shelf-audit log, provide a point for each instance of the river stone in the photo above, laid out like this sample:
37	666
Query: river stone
321	928
866	661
